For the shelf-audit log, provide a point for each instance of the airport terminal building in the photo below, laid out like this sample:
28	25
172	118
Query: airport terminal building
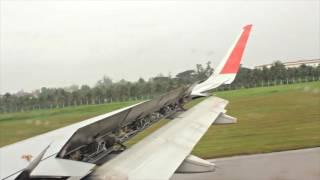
294	64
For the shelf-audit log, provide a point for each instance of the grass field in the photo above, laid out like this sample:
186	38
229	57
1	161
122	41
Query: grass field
269	119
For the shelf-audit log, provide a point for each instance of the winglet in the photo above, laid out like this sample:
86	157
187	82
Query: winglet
228	68
232	63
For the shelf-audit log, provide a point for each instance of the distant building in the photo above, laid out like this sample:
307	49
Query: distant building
294	64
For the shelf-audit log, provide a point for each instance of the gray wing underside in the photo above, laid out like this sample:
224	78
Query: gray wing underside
159	155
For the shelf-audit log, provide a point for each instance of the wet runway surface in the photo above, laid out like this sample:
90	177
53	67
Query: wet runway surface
287	165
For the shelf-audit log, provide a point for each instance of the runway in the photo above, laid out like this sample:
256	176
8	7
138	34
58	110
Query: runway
286	165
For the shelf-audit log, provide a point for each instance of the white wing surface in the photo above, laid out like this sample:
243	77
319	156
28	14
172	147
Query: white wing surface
159	155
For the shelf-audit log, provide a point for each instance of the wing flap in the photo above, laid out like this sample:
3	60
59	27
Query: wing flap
12	156
55	167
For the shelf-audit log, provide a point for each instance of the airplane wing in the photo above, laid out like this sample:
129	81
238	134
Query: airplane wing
93	149
159	155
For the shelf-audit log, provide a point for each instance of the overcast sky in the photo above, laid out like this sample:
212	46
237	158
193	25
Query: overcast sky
59	43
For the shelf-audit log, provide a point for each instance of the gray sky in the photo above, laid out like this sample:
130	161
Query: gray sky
59	43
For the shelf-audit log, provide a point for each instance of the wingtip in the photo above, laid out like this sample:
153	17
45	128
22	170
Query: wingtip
249	26
232	63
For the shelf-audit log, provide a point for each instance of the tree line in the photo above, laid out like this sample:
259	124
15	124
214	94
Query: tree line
277	74
106	91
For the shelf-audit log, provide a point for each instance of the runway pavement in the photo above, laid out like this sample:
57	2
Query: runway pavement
287	165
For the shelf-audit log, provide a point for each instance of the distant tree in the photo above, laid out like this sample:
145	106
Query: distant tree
209	70
278	71
104	82
73	88
200	73
186	77
107	90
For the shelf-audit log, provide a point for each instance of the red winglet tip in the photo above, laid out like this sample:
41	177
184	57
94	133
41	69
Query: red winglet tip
233	62
247	26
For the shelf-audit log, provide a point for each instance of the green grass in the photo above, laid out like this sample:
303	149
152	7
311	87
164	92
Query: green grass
269	119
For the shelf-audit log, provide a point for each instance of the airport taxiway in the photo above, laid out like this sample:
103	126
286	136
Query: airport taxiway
286	165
